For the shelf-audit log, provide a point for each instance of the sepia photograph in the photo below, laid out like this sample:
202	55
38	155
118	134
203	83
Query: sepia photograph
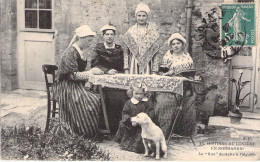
130	80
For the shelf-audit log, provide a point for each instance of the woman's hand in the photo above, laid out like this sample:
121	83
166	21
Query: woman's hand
169	73
96	71
112	72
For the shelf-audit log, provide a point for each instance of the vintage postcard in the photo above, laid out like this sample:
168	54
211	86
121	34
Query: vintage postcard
130	80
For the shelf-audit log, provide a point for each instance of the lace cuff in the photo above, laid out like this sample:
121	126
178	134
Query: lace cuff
81	75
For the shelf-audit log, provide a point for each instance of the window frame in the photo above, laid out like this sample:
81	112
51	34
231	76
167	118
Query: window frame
22	20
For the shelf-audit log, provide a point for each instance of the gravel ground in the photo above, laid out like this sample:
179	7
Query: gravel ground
178	149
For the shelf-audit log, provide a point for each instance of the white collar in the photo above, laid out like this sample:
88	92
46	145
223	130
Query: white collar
79	51
135	101
106	47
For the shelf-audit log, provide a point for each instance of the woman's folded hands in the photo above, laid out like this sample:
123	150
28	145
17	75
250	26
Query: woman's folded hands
112	72
169	73
96	71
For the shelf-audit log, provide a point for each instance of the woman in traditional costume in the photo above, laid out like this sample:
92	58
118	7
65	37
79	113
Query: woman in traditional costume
109	56
78	107
176	62
110	59
142	42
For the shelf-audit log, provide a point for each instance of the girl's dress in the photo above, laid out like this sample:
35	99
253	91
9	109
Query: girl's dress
166	105
107	59
78	107
128	136
141	49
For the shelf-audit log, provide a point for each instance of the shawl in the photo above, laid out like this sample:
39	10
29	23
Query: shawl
70	62
108	58
176	63
143	44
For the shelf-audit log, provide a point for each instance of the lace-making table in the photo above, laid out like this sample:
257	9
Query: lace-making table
155	83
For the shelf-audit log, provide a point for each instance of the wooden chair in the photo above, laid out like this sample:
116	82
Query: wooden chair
49	70
52	109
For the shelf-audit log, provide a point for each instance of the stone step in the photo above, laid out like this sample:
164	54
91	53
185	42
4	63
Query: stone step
246	123
250	115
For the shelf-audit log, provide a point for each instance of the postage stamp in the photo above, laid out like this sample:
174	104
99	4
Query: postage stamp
238	25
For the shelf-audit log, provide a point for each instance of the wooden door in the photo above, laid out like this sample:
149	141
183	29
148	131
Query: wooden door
257	58
35	42
257	99
246	61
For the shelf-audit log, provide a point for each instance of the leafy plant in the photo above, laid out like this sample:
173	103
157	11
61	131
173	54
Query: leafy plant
239	85
21	143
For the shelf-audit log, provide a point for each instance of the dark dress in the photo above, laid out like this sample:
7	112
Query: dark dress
107	59
128	136
166	108
166	105
78	107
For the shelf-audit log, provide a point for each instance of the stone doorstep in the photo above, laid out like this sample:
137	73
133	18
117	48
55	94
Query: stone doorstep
250	115
246	123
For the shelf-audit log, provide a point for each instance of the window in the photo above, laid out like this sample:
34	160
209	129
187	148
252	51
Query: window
38	14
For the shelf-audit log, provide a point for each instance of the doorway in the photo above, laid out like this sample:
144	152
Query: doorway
36	42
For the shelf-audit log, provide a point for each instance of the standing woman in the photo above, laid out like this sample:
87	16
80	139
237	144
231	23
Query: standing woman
79	108
110	59
176	62
142	42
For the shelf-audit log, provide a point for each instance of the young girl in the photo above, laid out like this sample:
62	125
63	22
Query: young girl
128	136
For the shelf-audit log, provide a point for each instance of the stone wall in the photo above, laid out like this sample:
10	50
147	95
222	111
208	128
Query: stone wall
71	14
213	71
168	15
8	39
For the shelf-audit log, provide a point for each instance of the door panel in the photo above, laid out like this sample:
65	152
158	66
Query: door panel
35	42
258	89
35	50
247	73
244	62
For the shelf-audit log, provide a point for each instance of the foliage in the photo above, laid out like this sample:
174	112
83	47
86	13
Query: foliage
239	87
21	143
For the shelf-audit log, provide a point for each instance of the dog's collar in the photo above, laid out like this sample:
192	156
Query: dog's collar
135	101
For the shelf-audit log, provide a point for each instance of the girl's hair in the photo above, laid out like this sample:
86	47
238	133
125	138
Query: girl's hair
137	84
104	31
177	40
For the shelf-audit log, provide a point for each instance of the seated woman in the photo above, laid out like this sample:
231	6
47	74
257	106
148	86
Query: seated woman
78	107
109	58
175	63
127	135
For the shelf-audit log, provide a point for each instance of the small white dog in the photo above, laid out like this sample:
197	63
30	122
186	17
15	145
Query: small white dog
150	133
